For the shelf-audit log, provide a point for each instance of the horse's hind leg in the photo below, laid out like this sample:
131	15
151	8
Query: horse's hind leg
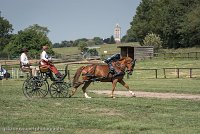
127	87
84	89
73	92
75	88
114	83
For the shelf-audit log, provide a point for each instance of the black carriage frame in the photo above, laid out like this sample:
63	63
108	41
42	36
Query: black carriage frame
38	86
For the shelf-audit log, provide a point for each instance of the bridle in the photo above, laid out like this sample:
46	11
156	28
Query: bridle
130	70
124	66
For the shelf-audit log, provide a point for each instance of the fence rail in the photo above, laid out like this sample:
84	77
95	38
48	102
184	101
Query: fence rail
190	70
176	70
194	55
16	73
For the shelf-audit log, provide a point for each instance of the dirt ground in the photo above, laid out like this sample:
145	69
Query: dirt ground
150	94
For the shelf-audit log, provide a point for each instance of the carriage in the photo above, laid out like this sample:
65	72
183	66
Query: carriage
38	86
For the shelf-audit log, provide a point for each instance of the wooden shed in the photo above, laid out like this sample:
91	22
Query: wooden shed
139	52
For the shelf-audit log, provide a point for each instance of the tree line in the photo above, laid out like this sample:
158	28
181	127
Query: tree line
34	37
177	22
85	42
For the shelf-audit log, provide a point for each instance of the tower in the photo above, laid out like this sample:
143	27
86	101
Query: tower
117	33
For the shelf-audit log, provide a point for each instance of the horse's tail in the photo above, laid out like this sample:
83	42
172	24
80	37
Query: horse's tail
76	83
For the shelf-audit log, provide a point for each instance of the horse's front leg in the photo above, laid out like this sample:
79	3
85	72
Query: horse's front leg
127	87
114	83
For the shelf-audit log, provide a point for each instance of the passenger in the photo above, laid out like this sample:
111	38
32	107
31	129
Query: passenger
4	73
45	60
25	64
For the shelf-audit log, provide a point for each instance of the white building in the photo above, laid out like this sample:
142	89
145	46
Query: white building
117	33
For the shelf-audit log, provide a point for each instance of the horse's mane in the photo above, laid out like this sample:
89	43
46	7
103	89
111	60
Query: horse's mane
125	58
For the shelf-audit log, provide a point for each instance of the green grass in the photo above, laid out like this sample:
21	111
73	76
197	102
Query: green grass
110	48
67	50
97	115
102	114
182	50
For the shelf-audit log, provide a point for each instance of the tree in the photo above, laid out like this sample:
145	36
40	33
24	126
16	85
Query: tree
5	32
190	31
140	25
167	18
76	42
82	45
98	40
124	38
39	29
32	39
112	40
153	40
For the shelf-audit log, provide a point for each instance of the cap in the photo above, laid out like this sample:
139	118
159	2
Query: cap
24	50
45	47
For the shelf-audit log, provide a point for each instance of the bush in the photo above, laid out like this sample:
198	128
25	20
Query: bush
153	40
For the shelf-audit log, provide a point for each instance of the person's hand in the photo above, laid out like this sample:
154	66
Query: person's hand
50	61
29	64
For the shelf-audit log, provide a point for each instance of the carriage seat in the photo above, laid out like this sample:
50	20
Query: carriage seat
44	68
26	70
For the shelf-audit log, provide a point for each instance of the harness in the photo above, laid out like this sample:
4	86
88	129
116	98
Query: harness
91	73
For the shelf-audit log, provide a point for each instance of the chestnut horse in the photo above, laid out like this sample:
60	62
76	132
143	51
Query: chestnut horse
101	73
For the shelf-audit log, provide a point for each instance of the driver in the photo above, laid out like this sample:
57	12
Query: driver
46	61
111	63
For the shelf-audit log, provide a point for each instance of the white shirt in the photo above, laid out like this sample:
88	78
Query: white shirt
24	59
2	71
44	56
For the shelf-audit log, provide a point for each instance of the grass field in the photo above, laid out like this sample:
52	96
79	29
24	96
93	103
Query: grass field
110	48
101	114
97	115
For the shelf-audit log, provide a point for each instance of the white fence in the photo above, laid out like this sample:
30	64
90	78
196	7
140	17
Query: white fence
16	73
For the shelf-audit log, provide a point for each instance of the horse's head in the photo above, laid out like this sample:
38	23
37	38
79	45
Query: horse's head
130	64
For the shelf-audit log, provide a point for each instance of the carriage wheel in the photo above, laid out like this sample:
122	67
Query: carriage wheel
59	89
35	88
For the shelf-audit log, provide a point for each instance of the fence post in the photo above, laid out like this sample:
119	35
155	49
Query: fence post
12	73
188	55
164	55
164	73
128	76
190	72
178	72
196	55
17	74
156	71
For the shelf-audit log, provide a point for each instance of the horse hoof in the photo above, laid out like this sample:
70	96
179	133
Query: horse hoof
133	95
88	97
113	97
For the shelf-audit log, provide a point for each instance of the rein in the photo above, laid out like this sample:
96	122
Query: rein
120	66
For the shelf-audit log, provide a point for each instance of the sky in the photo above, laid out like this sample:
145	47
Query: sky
71	19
